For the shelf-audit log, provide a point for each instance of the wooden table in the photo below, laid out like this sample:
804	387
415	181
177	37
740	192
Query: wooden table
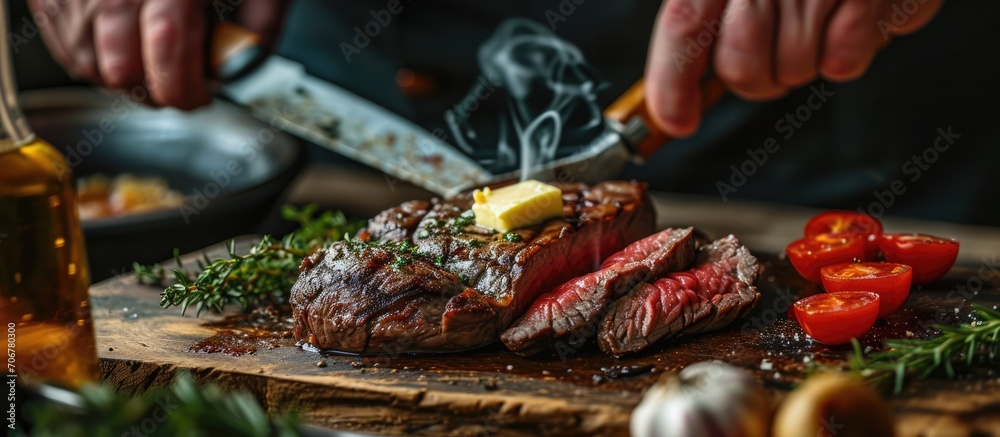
497	393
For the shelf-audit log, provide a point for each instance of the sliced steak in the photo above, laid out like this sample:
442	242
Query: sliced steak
512	269
720	288
363	298
467	283
569	313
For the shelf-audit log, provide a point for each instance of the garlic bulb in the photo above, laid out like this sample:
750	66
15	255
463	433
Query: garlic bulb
708	398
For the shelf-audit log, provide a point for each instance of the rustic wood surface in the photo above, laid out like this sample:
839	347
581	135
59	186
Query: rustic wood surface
493	392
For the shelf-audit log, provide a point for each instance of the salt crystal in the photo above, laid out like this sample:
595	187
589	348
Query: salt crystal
510	367
766	365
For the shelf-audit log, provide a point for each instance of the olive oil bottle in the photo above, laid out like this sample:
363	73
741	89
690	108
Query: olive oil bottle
44	308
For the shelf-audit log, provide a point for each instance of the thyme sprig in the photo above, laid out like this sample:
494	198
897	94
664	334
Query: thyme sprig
264	275
922	357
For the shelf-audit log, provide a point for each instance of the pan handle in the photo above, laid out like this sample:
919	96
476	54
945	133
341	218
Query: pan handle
233	51
632	106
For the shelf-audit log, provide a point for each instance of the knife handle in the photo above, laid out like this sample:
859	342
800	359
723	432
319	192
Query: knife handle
632	106
233	51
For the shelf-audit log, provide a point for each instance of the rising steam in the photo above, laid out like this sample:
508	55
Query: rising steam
545	106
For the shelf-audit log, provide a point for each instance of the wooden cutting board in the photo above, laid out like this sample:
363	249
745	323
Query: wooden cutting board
494	392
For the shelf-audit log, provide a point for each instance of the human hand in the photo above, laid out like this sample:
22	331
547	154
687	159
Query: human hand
156	44
761	49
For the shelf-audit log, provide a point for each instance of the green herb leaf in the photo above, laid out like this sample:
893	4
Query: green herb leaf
264	275
922	357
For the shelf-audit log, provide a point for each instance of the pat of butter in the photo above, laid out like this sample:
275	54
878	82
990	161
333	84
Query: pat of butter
515	206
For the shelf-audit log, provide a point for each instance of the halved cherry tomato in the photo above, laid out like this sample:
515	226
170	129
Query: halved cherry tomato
810	254
836	318
838	222
889	280
930	257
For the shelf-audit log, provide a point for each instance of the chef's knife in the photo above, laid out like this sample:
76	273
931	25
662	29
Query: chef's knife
280	92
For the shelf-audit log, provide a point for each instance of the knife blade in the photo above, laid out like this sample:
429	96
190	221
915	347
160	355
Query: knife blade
282	94
279	92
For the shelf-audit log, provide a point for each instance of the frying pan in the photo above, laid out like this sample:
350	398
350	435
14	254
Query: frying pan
111	135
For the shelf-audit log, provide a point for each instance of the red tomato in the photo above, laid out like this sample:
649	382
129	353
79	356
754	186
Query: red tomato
836	318
930	257
838	222
889	280
810	254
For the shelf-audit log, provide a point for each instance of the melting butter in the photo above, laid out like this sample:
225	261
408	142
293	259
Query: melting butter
516	206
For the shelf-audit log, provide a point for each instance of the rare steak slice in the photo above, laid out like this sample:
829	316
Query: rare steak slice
513	268
457	285
378	299
568	315
720	288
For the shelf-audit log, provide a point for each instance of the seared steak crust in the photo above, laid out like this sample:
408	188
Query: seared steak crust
571	310
467	282
717	290
396	223
401	309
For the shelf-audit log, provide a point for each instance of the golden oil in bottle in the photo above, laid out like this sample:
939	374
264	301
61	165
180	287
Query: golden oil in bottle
43	269
44	308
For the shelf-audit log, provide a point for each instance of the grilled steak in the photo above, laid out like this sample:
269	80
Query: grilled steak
363	298
513	269
396	223
570	312
462	284
717	290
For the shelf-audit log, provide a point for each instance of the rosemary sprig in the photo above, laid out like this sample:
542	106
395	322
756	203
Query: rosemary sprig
922	357
264	275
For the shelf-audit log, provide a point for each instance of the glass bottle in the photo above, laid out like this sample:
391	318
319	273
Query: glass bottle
44	308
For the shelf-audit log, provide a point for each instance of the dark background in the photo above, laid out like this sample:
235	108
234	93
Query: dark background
855	145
